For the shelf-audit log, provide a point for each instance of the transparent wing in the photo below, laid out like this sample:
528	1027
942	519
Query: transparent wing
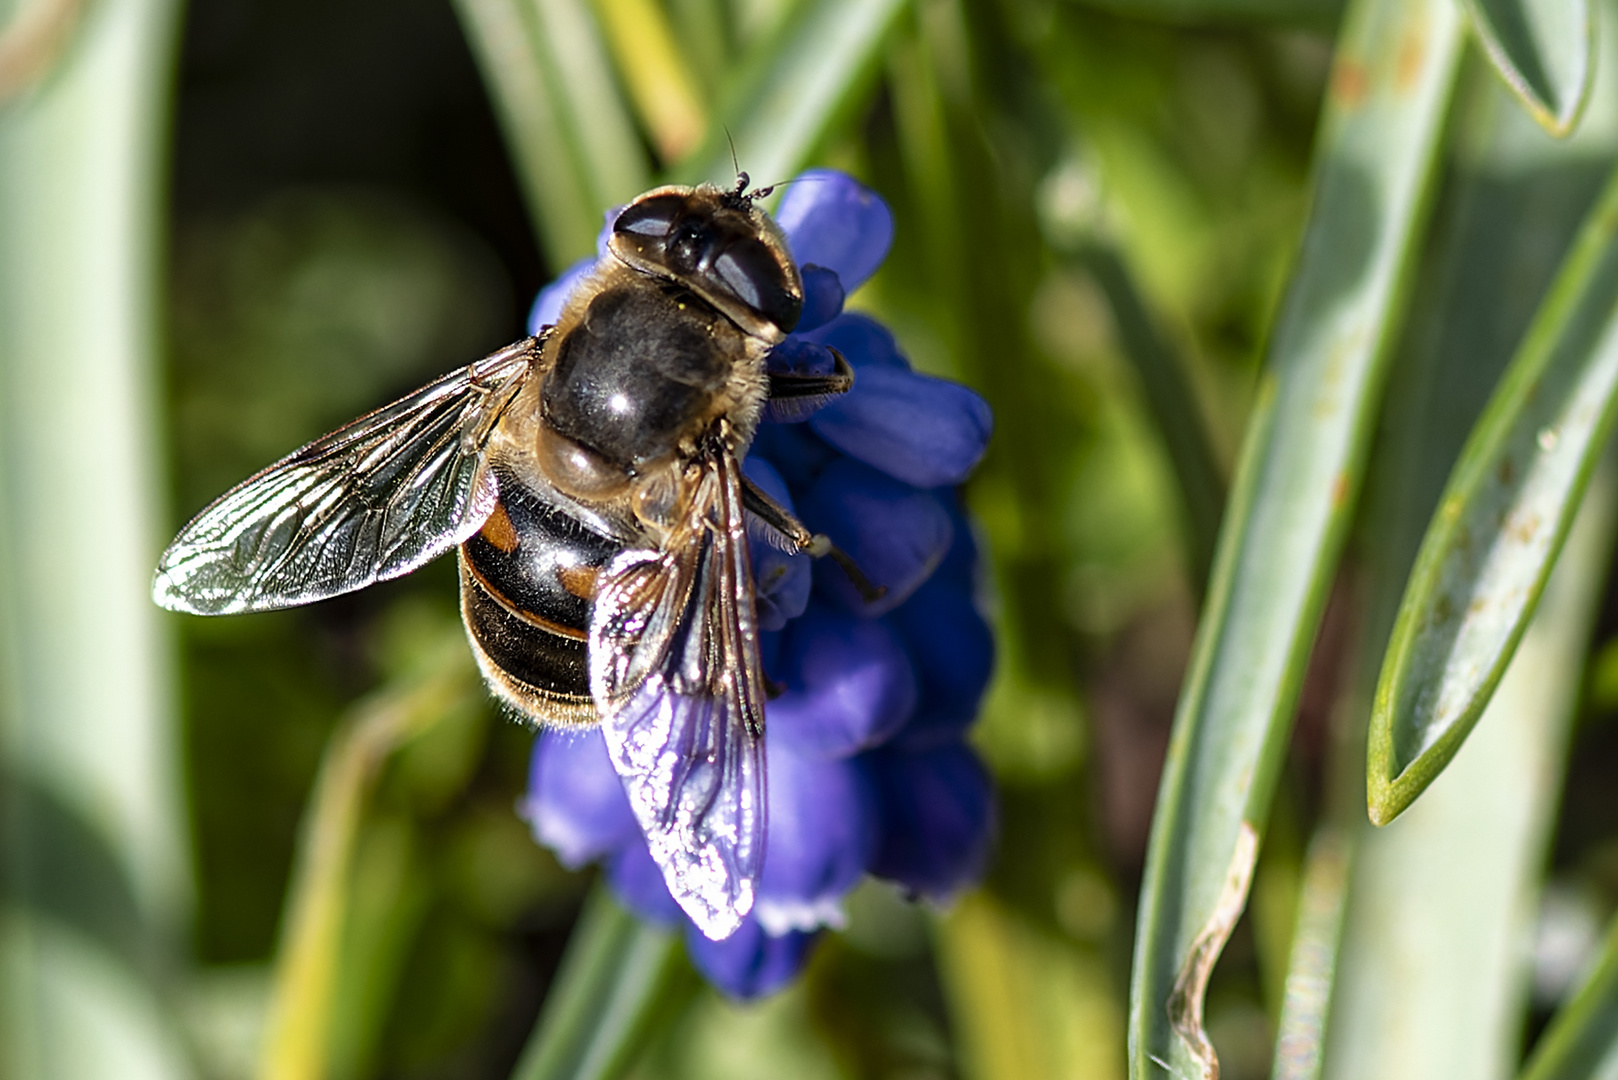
674	670
372	500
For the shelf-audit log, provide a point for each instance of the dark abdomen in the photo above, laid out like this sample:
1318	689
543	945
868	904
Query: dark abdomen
527	578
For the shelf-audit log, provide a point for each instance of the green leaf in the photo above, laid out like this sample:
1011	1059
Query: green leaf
1545	52
790	90
1025	1002
32	40
388	894
1431	979
1312	966
1283	529
1582	1040
88	732
1514	197
574	144
618	979
58	864
659	79
1502	520
303	1011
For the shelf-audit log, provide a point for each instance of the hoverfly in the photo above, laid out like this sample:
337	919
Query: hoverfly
590	478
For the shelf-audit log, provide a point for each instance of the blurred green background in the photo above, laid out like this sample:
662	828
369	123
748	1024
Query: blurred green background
284	845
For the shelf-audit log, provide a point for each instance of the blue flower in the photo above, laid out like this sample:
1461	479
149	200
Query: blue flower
868	768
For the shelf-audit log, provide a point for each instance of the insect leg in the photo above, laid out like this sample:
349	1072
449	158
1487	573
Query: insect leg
786	386
817	545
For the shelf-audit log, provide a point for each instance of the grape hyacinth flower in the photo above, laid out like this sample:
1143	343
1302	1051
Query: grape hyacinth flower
868	768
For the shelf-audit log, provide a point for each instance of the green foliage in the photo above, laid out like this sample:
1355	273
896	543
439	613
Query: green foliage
1220	266
1501	524
1545	51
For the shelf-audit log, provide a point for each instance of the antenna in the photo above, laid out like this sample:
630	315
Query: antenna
734	164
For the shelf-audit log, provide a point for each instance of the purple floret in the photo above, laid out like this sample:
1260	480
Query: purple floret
849	684
823	833
833	220
938	818
924	431
575	802
897	534
750	963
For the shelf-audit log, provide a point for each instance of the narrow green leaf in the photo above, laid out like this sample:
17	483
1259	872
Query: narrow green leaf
32	39
1431	980
661	83
1283	528
1312	968
1582	1041
389	891
1172	401
89	763
570	133
790	90
1545	52
1500	525
706	40
298	1038
600	131
618	978
58	865
1514	197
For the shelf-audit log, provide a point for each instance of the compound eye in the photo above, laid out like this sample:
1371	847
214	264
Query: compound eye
577	470
752	273
689	247
663	234
650	218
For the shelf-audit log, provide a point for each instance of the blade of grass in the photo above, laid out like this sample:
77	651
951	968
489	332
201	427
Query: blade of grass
1283	529
298	1035
705	39
791	90
1544	50
1504	515
553	181
597	121
571	138
91	790
388	895
1582	1040
619	978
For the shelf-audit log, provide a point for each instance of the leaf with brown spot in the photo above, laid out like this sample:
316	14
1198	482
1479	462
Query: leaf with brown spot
1290	504
1508	507
1191	986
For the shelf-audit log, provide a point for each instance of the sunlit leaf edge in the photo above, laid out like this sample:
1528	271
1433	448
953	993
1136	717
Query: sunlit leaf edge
1391	789
1559	122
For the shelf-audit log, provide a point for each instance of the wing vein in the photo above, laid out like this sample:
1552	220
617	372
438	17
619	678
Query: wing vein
372	500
